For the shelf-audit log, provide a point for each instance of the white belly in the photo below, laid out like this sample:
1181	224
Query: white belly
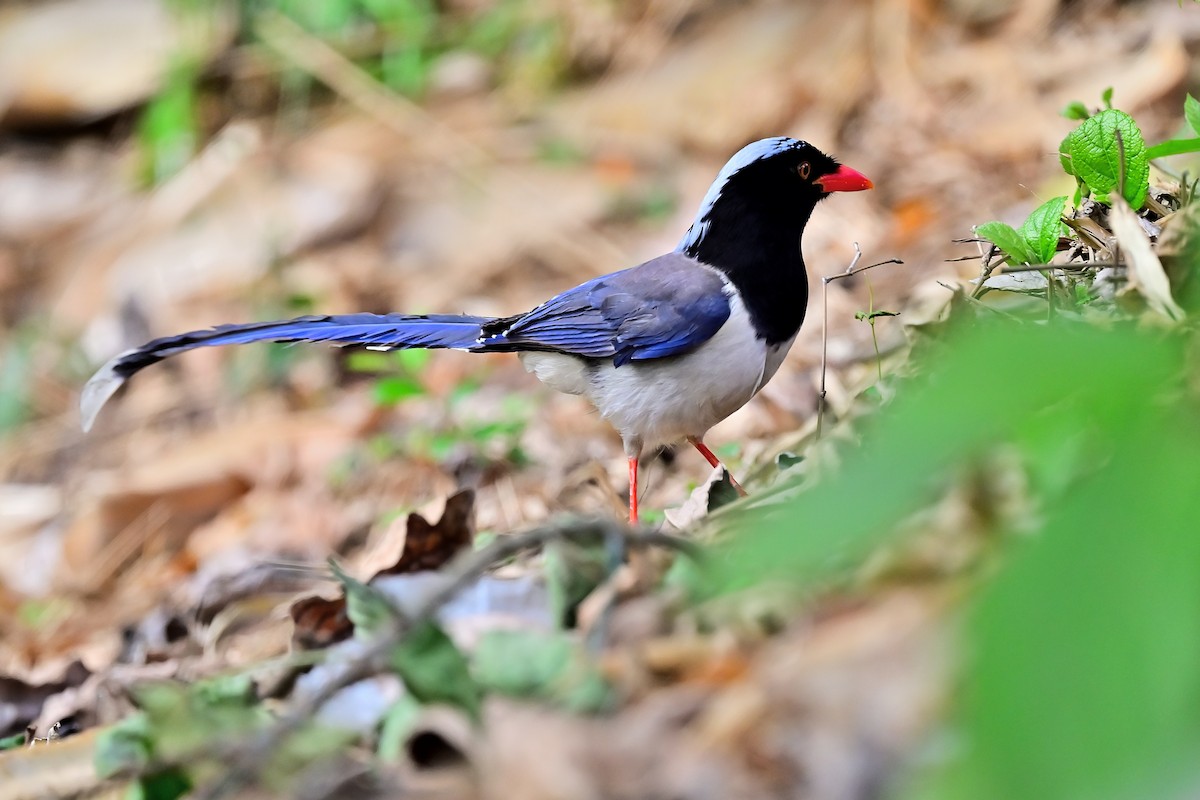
665	400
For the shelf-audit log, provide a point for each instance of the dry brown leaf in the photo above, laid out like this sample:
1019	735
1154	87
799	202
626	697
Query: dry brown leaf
1146	272
319	622
429	546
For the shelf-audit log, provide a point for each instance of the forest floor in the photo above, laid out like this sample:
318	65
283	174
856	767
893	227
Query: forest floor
185	537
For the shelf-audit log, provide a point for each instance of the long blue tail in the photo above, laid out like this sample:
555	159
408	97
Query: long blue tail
380	330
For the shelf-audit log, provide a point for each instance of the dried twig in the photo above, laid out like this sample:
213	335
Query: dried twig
247	758
985	271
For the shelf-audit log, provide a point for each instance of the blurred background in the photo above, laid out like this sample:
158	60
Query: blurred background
168	165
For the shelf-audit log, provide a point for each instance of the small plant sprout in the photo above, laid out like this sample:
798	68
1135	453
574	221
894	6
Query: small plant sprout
869	316
851	269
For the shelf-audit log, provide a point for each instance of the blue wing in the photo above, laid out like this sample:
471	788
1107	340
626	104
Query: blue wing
664	307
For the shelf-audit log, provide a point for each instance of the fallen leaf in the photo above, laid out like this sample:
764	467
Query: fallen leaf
318	622
1145	270
429	546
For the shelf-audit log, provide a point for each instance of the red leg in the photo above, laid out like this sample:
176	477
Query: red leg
715	462
633	490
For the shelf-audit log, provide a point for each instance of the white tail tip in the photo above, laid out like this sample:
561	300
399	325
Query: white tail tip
96	392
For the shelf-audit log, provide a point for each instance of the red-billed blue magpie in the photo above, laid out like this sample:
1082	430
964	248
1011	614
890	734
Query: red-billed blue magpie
664	350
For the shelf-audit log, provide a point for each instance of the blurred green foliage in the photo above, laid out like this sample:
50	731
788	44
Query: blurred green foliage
398	42
174	741
168	130
1082	676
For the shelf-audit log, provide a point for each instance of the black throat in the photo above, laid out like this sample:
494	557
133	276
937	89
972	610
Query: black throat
755	241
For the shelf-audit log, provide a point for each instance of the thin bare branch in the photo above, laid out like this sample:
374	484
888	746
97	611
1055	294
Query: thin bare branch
247	758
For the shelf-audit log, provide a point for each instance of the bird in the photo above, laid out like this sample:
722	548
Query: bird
664	350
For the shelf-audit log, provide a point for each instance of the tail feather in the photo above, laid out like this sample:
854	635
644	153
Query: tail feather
373	330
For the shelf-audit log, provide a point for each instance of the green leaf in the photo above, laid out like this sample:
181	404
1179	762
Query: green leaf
396	388
1087	648
434	671
787	459
368	610
397	724
16	390
168	130
12	742
573	570
1041	229
235	691
1083	294
414	360
299	751
170	784
1191	113
986	384
542	666
1092	153
1076	110
1008	240
521	663
368	361
1173	147
1106	97
124	748
183	720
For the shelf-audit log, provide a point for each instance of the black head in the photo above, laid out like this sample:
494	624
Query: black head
750	222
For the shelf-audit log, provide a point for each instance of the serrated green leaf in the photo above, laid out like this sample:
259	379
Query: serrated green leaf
1191	113
1092	153
434	670
1042	227
1008	240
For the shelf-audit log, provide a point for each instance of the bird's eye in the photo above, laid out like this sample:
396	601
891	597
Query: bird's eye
804	170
